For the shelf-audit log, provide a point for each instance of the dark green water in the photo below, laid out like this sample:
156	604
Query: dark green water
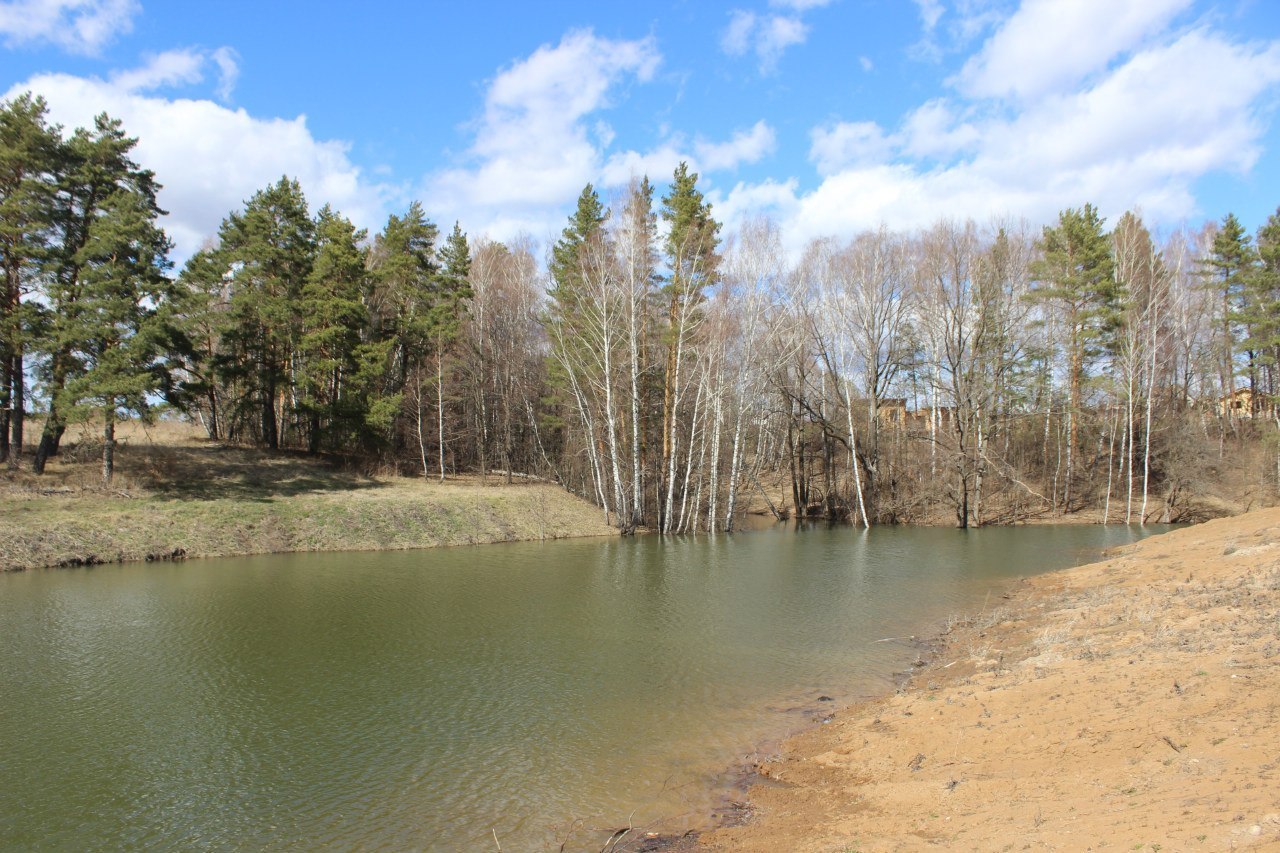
429	699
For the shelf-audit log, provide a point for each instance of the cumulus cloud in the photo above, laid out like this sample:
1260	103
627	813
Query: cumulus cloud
660	161
78	26
745	146
766	36
702	155
848	143
541	138
936	130
209	158
533	144
165	70
1139	133
1049	46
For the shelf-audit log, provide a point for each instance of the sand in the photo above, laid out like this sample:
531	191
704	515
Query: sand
1132	704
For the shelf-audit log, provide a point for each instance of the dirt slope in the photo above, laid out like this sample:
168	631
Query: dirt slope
1132	704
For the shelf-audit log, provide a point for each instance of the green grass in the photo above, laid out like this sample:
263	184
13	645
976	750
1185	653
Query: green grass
200	500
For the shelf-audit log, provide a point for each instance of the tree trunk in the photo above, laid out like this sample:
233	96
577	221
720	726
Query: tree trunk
109	442
853	457
440	406
6	404
421	432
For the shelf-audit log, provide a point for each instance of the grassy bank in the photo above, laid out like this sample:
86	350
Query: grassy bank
176	496
1132	704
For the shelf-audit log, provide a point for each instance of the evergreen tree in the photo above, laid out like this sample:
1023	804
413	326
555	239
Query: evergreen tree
575	316
334	317
91	167
1264	300
452	288
28	148
693	238
568	254
1076	276
572	259
1226	270
268	251
202	300
121	319
405	268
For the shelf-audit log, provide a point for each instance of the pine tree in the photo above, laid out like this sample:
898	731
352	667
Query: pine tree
267	251
571	368
693	264
1076	275
334	318
202	300
1264	289
90	168
568	254
445	316
1226	270
28	147
404	267
120	319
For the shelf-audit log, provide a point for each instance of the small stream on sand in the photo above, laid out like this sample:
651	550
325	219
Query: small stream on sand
533	693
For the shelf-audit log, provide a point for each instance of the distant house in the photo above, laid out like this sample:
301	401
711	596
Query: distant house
941	415
1237	404
893	412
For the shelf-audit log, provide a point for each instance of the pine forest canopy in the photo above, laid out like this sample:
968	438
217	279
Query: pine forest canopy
661	366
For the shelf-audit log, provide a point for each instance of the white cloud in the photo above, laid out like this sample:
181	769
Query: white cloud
171	68
736	40
78	26
799	5
930	13
866	63
934	130
659	162
228	62
542	137
767	36
533	147
1050	46
745	201
181	67
702	156
745	146
851	143
1141	134
209	158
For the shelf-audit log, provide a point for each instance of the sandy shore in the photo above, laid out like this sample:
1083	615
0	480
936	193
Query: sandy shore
1132	704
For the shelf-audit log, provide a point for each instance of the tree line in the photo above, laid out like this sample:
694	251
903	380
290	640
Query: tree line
665	369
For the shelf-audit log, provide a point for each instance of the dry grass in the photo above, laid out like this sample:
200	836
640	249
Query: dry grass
176	495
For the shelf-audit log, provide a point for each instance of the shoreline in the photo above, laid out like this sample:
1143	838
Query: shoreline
1130	701
88	529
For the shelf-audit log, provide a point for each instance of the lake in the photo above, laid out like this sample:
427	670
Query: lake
528	694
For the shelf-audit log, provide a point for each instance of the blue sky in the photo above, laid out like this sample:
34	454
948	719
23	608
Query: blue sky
829	115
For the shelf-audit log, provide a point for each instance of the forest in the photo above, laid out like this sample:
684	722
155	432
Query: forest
665	368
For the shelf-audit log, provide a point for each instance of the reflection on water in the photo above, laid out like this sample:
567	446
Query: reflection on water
541	691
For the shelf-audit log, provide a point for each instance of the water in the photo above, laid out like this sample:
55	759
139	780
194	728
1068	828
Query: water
543	691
